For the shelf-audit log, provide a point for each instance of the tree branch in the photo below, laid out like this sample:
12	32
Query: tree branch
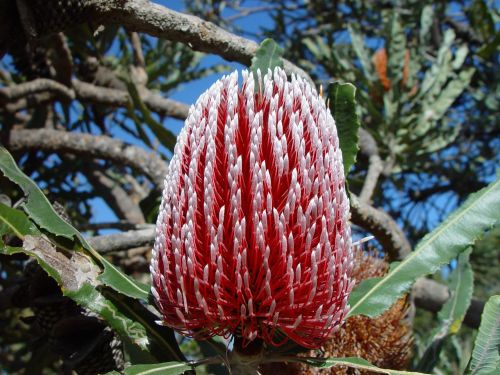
95	146
123	241
116	197
383	227
368	147
153	19
119	98
431	295
39	85
42	90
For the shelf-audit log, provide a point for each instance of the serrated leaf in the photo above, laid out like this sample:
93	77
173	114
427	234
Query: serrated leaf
95	301
358	45
17	221
440	71
43	214
37	205
268	56
353	362
426	20
452	313
167	368
486	356
342	104
480	212
396	50
75	273
136	324
434	110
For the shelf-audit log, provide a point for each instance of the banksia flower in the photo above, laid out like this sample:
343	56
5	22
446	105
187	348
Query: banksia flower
252	237
385	341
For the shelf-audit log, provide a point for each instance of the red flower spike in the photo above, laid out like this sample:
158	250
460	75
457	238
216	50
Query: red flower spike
253	235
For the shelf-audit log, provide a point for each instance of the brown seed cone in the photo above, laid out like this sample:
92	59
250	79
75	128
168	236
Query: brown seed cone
379	60
384	341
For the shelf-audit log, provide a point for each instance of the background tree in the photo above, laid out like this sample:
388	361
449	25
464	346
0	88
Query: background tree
86	113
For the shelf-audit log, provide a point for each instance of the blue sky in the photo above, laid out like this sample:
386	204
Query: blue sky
187	93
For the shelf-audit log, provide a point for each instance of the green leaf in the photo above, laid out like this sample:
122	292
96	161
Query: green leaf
452	313
122	283
342	104
426	19
488	49
440	71
126	327
161	339
167	368
17	221
462	283
434	110
481	19
485	356
317	47
396	50
353	362
268	56
460	56
76	275
166	137
44	215
469	222
37	205
363	54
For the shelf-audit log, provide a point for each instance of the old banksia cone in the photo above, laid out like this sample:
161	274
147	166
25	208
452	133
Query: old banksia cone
253	236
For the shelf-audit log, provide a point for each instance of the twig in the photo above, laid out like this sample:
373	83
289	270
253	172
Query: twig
95	146
39	85
135	40
64	62
138	70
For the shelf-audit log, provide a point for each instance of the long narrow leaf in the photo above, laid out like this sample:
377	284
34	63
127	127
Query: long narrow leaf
342	97
452	313
486	355
77	273
363	54
17	222
168	368
468	223
353	362
43	214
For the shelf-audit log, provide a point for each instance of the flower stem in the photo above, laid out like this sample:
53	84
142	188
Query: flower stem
246	356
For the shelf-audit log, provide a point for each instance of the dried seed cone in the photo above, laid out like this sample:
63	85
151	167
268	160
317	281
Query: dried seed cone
253	234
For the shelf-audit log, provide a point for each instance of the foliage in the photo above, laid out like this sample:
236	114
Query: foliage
451	314
485	357
419	77
479	213
343	107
